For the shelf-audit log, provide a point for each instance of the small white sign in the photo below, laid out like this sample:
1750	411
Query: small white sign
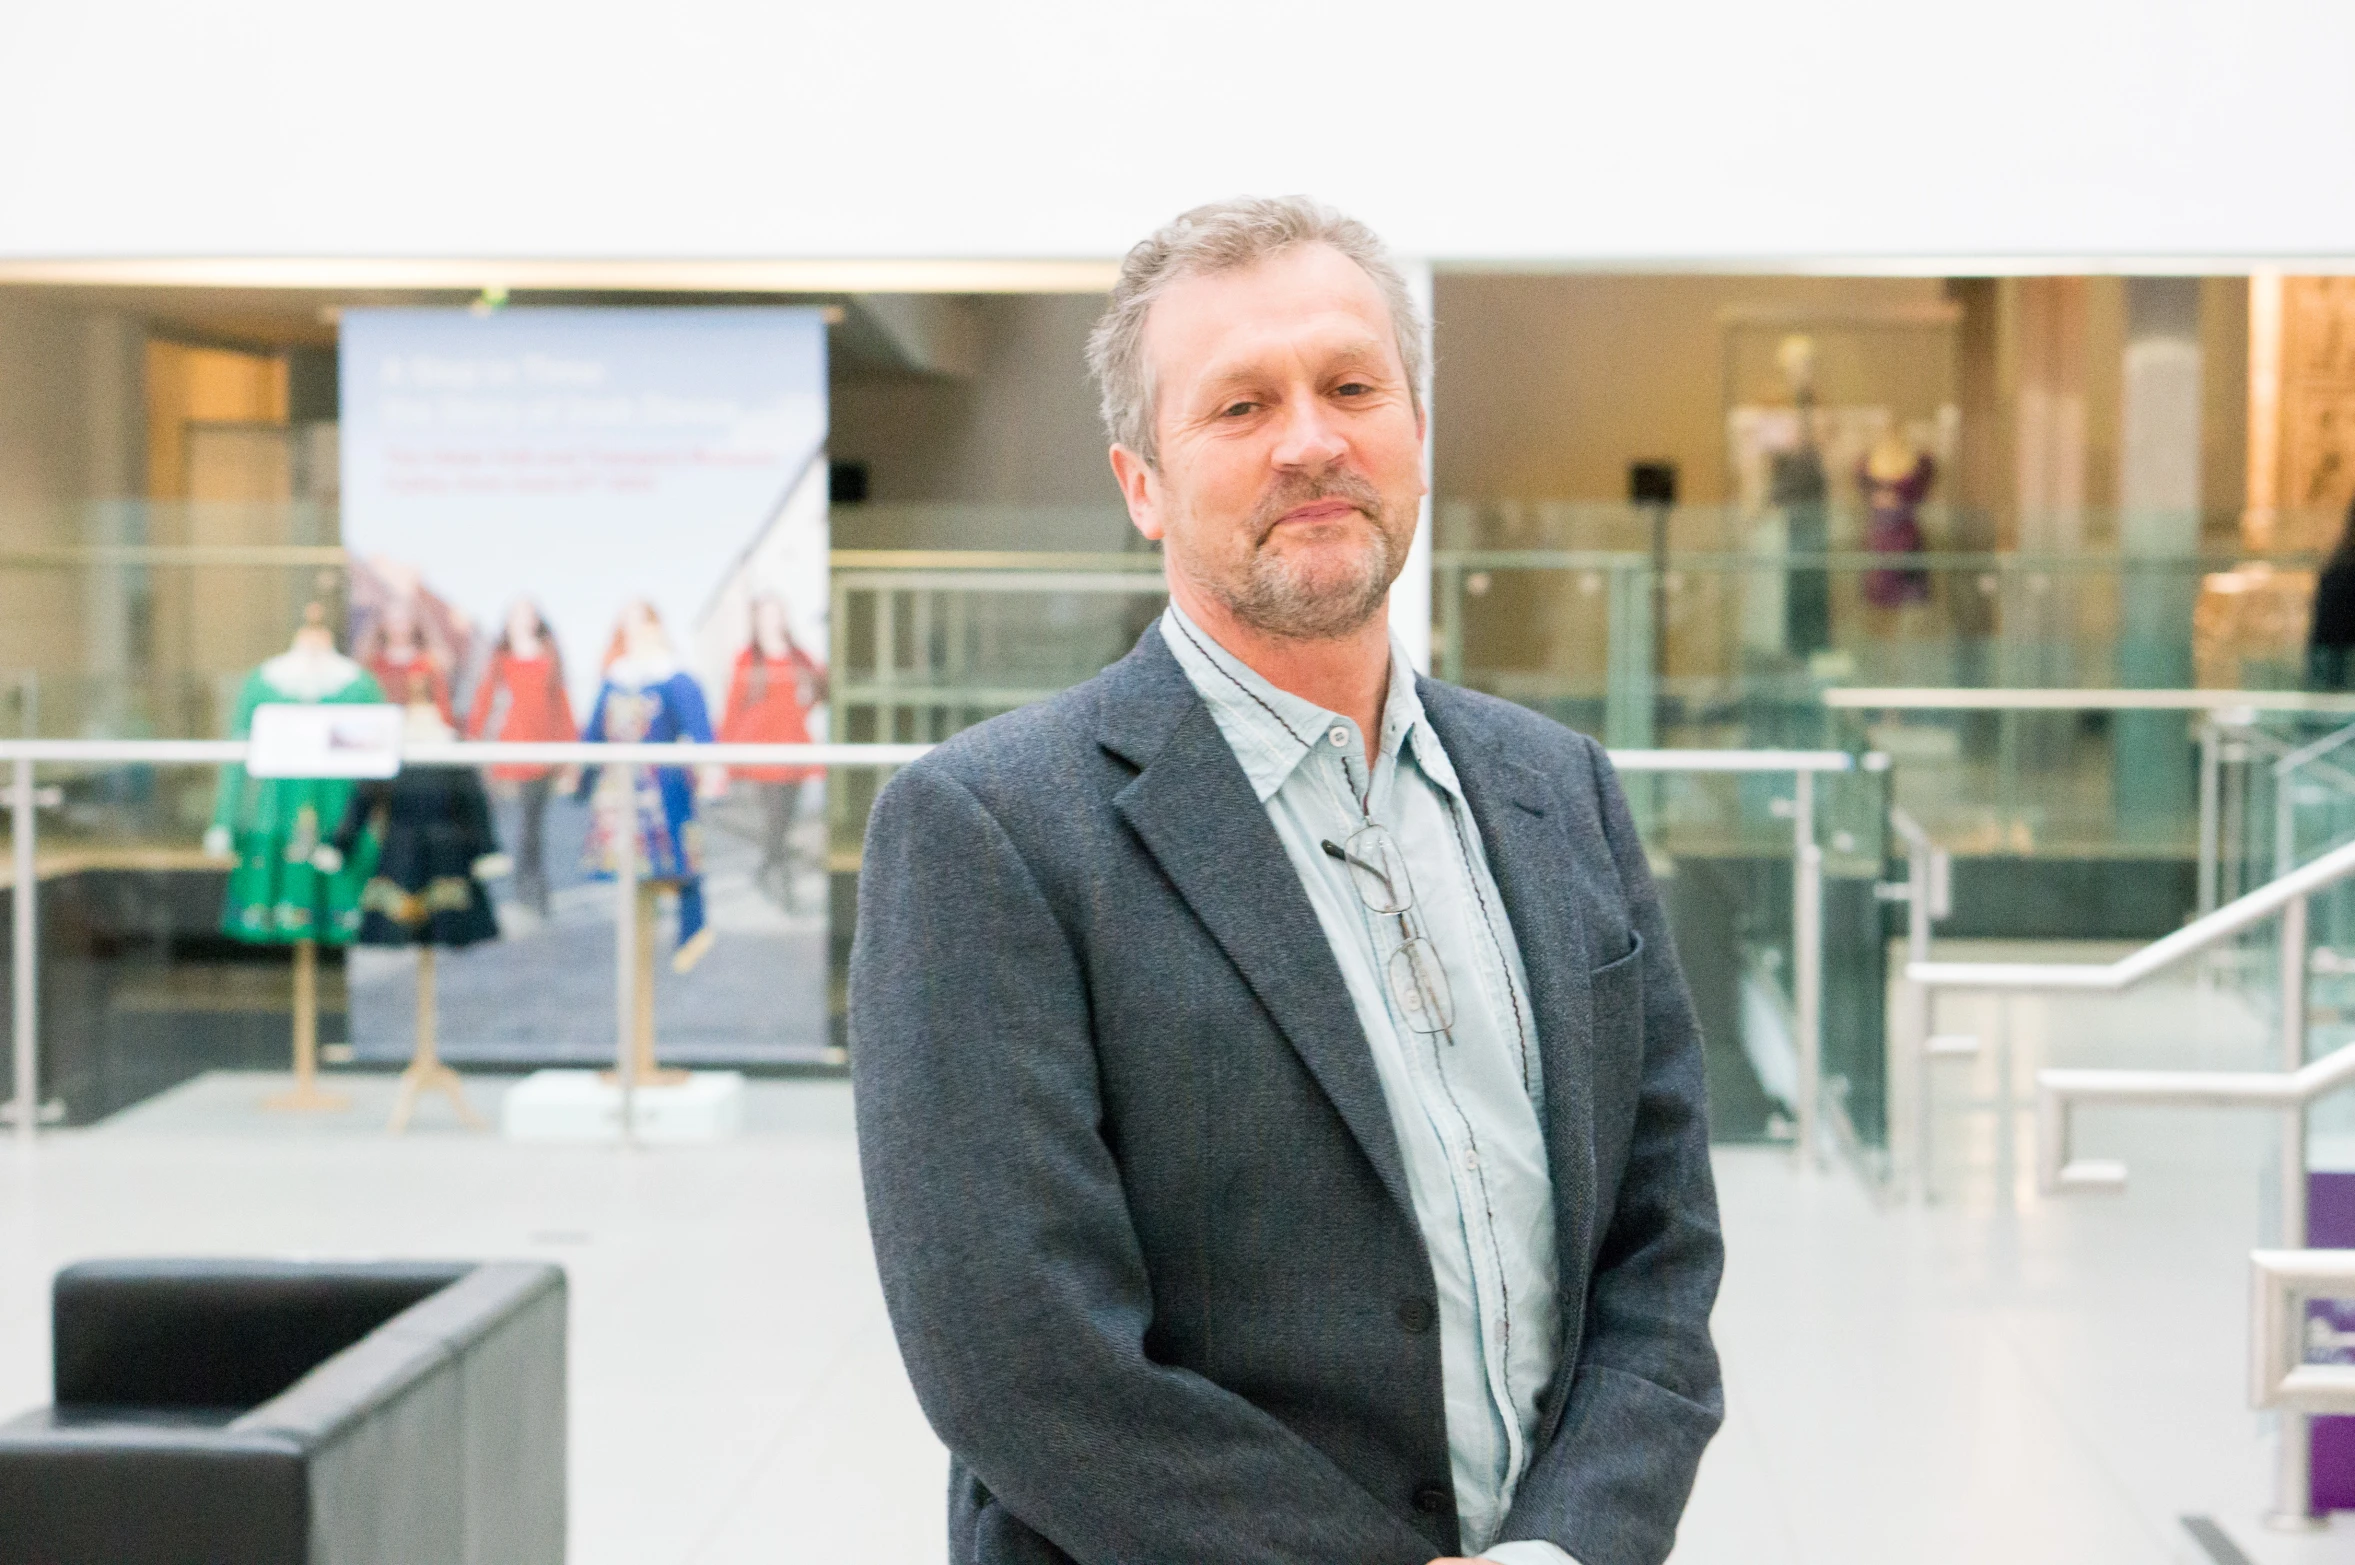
292	739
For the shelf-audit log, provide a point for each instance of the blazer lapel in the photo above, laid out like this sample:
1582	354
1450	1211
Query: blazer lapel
1522	828
1196	813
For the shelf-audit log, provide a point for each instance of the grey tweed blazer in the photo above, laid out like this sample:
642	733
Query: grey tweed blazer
1142	1222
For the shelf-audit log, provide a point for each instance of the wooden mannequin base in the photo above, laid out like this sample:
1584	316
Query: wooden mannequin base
425	1076
306	1098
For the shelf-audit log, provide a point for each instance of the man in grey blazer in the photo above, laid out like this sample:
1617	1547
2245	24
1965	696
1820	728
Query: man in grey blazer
1280	1109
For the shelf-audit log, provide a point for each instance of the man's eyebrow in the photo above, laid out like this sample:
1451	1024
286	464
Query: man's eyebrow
1359	352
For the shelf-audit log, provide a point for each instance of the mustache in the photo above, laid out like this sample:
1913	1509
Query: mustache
1297	490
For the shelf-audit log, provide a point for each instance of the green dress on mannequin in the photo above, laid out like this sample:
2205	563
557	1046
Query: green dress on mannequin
283	889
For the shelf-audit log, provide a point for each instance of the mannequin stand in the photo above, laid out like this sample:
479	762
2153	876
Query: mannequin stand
426	1072
648	1073
305	1097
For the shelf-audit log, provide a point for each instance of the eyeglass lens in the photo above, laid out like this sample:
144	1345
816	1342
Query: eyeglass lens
1377	868
1419	984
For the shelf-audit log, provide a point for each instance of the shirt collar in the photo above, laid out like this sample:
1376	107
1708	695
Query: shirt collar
1272	731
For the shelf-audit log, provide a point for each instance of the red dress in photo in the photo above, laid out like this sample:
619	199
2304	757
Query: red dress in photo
766	706
521	700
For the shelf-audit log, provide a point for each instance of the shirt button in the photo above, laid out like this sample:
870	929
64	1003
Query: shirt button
1431	1499
1416	1315
1471	1161
1339	737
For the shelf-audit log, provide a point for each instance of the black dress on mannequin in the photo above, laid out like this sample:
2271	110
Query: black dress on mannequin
435	824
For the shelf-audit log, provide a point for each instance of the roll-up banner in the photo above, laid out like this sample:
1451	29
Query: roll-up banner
611	525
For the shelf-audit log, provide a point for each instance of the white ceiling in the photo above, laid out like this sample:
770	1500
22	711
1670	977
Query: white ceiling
1988	135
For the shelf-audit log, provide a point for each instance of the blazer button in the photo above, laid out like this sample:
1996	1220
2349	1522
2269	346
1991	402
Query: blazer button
1431	1499
1416	1315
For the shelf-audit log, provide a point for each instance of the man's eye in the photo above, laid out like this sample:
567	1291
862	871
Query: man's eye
1236	409
1354	388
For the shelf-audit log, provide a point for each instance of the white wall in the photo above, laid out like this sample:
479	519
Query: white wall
2061	133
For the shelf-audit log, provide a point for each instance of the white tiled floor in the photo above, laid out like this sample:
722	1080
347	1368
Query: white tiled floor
1993	1378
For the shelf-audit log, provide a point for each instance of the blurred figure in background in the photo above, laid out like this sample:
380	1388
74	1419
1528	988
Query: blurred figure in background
521	698
399	648
770	694
2332	640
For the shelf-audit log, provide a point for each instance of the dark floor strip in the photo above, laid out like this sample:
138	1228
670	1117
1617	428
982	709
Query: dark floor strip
2211	1538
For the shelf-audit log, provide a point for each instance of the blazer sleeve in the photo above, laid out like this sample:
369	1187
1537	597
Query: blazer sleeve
1645	1395
1015	1279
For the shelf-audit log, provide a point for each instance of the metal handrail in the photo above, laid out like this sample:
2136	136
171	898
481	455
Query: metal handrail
2314	750
1936	698
2306	758
2192	938
474	752
1928	894
2281	1282
2288	1090
23	801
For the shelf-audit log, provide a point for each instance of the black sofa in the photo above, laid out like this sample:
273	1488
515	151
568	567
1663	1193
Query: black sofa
293	1413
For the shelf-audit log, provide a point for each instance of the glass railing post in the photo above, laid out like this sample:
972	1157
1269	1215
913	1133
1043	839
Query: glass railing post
2293	1494
2211	816
1629	680
625	944
2285	828
2293	1500
24	955
1910	1064
2293	1058
1807	960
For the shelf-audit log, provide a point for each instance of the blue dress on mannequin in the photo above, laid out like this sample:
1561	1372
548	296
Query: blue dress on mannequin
649	701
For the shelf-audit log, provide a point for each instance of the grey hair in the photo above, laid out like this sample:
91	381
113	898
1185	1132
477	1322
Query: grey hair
1228	236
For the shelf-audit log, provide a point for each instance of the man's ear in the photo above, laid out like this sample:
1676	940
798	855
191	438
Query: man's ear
1140	487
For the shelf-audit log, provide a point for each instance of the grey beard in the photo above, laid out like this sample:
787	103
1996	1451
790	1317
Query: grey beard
1272	599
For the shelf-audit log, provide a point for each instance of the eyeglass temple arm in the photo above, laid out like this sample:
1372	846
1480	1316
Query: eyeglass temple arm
1335	850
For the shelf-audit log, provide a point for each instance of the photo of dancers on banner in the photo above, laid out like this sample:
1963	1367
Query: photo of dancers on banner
607	526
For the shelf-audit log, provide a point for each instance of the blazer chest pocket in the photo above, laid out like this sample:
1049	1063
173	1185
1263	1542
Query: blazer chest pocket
1618	990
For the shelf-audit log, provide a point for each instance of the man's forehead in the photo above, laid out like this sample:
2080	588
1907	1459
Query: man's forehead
1313	298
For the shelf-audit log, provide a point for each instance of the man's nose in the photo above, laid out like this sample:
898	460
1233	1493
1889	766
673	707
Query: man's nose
1308	436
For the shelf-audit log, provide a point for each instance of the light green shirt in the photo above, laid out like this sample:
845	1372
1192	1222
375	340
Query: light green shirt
1465	1104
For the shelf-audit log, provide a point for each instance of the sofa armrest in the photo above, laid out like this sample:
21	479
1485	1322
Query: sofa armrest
464	1396
210	1333
101	1494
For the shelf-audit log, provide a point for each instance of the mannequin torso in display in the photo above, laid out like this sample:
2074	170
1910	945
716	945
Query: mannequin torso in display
1895	479
274	826
435	848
